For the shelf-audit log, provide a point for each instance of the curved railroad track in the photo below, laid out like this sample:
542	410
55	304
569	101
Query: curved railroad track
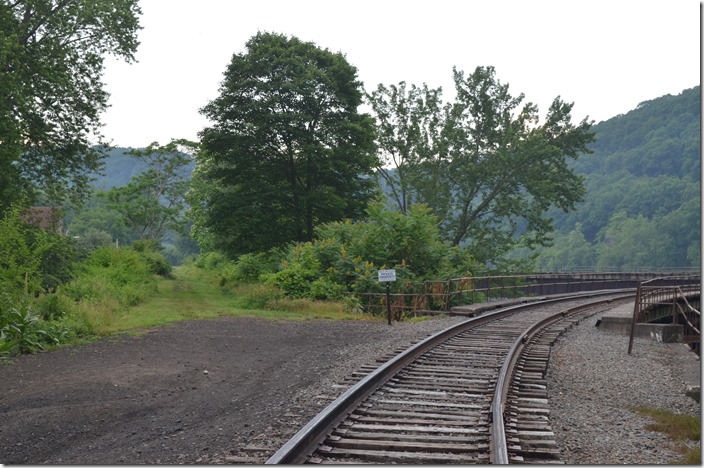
472	393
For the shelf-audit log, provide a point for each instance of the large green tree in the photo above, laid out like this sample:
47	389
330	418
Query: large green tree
51	93
153	202
494	168
288	148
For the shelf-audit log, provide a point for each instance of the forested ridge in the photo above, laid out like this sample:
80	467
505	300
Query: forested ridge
120	167
642	207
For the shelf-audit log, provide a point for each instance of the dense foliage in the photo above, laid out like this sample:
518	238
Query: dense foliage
642	208
51	92
53	290
281	189
485	163
152	203
346	256
288	149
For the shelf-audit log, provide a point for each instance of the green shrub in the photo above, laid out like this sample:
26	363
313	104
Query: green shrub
295	280
211	261
20	257
121	274
352	304
54	306
326	289
58	260
346	256
92	239
23	331
157	264
150	251
256	296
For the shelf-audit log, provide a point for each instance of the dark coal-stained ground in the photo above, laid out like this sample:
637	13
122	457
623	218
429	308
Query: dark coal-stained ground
187	393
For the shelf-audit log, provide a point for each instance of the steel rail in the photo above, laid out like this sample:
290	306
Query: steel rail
499	452
305	441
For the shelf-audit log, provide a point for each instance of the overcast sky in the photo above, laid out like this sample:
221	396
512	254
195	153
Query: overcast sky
606	56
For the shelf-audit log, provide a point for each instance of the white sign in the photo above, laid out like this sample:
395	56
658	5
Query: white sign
387	275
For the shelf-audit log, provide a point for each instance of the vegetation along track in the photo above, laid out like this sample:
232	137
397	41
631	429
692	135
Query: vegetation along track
473	393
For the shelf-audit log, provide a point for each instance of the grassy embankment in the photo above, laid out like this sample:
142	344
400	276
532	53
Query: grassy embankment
195	294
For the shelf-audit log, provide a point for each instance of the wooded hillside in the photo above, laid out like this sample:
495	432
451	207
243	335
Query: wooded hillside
120	167
643	202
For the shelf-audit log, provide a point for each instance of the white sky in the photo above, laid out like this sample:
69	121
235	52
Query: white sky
606	56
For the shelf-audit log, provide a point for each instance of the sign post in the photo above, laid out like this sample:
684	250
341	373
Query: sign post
387	276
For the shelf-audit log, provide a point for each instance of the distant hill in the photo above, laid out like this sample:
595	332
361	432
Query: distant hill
643	180
659	137
120	167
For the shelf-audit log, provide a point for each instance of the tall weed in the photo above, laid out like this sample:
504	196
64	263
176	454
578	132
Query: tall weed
23	331
255	296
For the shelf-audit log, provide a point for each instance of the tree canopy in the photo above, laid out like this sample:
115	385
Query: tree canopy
51	93
487	167
407	127
152	203
288	149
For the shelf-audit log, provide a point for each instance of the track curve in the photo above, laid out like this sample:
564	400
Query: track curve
467	394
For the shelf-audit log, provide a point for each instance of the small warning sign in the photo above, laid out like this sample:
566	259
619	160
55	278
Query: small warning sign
387	275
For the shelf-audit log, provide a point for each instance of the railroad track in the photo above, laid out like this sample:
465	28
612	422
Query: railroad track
474	393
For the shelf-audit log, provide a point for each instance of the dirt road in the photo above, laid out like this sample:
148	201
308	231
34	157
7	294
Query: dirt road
187	393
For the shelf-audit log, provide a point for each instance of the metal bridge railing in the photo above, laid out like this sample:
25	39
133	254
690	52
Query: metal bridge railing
443	295
663	298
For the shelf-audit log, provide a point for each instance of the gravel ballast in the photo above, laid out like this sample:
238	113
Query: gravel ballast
593	383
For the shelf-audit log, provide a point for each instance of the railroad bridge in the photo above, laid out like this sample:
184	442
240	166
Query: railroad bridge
666	307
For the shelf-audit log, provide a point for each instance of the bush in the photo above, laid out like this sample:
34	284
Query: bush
157	264
256	296
300	270
150	250
58	260
122	274
249	268
346	256
20	257
23	331
92	239
326	289
54	306
352	304
211	261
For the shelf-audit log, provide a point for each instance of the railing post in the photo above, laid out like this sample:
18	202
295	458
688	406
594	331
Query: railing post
636	306
449	295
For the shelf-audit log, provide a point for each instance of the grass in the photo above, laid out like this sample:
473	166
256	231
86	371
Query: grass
195	294
680	428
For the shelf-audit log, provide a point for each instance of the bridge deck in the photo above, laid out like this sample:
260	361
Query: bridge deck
616	320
